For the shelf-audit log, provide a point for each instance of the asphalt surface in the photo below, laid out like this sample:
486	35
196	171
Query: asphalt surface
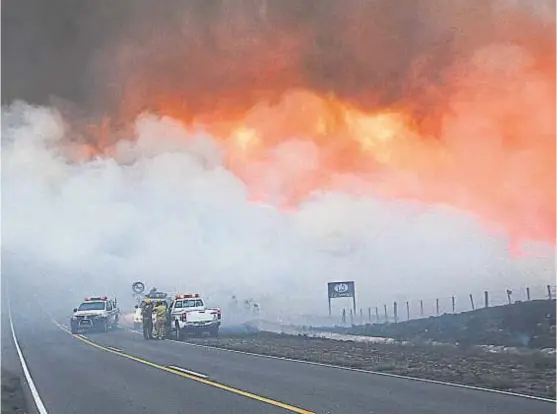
120	372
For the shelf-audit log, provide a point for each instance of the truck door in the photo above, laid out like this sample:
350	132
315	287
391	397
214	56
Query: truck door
176	310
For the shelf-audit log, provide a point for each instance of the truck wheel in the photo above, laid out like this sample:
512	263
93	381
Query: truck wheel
73	328
104	326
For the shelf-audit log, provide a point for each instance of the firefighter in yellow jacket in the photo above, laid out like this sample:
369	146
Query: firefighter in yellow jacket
160	314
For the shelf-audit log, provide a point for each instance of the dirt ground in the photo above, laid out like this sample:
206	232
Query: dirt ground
532	374
13	400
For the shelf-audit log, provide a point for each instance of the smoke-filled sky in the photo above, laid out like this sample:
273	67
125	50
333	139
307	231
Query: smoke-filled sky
266	147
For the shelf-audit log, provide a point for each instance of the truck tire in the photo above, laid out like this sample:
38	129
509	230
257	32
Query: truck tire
104	326
73	328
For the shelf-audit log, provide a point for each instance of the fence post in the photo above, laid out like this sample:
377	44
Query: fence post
351	317
361	316
344	315
486	299
369	314
422	308
453	300
386	314
527	293
407	311
395	311
472	301
437	306
549	295
377	314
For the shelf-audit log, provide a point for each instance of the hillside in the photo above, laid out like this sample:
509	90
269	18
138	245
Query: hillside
522	324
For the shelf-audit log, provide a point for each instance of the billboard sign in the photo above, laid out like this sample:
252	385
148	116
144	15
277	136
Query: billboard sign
341	289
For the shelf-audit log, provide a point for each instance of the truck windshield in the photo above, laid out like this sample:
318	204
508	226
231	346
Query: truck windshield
188	303
88	306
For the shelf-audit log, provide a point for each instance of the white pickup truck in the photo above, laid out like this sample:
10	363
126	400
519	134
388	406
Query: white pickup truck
95	313
189	314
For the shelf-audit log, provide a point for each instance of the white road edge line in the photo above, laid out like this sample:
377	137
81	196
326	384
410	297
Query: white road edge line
113	348
34	393
83	336
187	371
385	374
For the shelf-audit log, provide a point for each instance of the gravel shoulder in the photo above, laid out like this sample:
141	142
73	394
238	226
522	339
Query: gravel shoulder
532	374
13	399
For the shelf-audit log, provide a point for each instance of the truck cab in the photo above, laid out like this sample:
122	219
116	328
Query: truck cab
190	315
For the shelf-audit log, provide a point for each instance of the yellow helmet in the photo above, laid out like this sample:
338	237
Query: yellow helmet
147	301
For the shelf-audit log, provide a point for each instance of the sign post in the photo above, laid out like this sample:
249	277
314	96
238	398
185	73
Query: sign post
345	289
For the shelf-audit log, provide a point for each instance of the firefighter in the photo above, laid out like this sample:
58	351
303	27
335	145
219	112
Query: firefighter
147	314
160	313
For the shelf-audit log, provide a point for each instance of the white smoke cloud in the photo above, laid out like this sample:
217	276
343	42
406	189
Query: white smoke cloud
165	210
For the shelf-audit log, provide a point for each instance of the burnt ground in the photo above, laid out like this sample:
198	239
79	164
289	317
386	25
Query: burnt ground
532	373
13	399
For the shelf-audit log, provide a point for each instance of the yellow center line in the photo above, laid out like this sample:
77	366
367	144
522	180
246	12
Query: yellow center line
191	377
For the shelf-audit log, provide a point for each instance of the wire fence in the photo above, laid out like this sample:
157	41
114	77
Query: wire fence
399	311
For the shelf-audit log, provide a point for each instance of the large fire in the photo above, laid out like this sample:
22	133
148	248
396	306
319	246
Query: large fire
426	100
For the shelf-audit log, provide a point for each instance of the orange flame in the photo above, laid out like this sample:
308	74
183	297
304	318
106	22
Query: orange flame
459	112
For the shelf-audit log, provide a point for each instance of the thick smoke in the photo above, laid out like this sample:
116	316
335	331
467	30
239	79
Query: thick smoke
165	210
434	215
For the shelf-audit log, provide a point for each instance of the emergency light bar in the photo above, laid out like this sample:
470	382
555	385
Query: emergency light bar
96	298
189	295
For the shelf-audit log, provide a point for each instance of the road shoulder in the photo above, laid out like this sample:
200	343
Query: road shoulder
13	395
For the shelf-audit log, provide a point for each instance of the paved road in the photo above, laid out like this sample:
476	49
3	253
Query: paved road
121	372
